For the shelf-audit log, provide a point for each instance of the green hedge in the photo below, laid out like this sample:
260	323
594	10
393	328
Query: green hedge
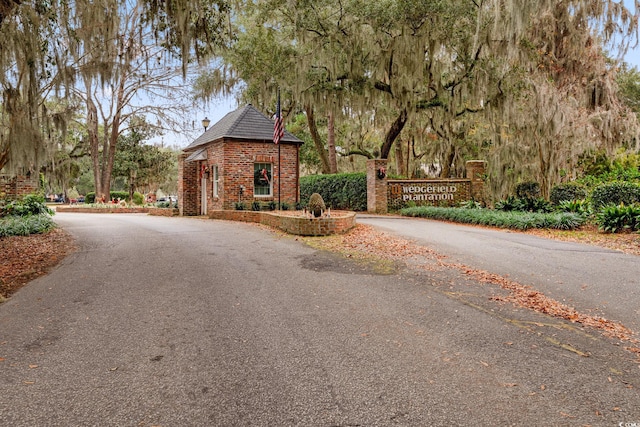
615	193
345	191
567	191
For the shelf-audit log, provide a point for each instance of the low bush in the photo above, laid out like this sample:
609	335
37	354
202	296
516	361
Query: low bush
30	204
523	204
582	207
528	190
25	225
567	191
619	218
509	219
615	193
138	199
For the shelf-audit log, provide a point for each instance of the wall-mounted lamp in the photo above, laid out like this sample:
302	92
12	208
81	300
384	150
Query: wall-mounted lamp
205	123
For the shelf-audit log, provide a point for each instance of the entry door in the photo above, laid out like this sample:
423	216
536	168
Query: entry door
203	195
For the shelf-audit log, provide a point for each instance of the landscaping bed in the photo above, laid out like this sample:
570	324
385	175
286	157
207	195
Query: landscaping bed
294	222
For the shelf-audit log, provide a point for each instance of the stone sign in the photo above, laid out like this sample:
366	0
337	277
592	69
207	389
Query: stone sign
385	194
403	193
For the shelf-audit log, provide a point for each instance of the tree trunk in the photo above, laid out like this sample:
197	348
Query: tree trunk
331	144
94	142
400	165
448	160
393	133
317	141
112	141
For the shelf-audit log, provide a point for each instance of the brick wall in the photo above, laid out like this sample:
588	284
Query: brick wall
188	187
339	222
235	161
16	186
475	170
376	187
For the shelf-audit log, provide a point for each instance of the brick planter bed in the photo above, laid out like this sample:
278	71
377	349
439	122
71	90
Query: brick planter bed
289	221
101	209
163	212
293	222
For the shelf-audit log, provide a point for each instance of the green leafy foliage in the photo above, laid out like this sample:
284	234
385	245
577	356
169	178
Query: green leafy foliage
520	204
619	218
567	191
346	191
582	207
138	198
31	204
25	225
615	193
528	190
503	219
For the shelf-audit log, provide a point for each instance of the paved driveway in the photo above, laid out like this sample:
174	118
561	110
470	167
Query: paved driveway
189	322
591	279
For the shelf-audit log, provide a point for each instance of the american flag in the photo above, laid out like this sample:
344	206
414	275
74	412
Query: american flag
278	127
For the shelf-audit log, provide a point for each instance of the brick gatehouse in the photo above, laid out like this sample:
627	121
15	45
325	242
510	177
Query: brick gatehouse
235	163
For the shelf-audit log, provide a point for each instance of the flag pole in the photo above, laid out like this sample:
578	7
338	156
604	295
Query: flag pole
278	133
279	179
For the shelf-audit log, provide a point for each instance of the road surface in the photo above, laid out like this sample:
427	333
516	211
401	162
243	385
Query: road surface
160	321
591	279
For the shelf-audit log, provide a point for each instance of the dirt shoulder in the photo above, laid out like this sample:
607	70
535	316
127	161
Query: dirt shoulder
26	257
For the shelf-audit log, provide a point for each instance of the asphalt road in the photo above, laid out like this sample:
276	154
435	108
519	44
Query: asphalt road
189	322
593	280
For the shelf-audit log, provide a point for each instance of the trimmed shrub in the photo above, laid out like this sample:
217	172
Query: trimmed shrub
138	198
567	191
345	191
528	190
615	193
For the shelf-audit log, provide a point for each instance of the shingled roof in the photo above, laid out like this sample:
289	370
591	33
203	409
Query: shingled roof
244	123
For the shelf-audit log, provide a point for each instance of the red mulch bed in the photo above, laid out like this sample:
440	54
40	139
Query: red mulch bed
26	257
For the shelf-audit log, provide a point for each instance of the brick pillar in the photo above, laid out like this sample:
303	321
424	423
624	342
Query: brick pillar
181	158
188	182
475	172
376	186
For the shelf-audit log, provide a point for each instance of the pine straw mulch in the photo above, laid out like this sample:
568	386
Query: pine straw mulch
23	258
